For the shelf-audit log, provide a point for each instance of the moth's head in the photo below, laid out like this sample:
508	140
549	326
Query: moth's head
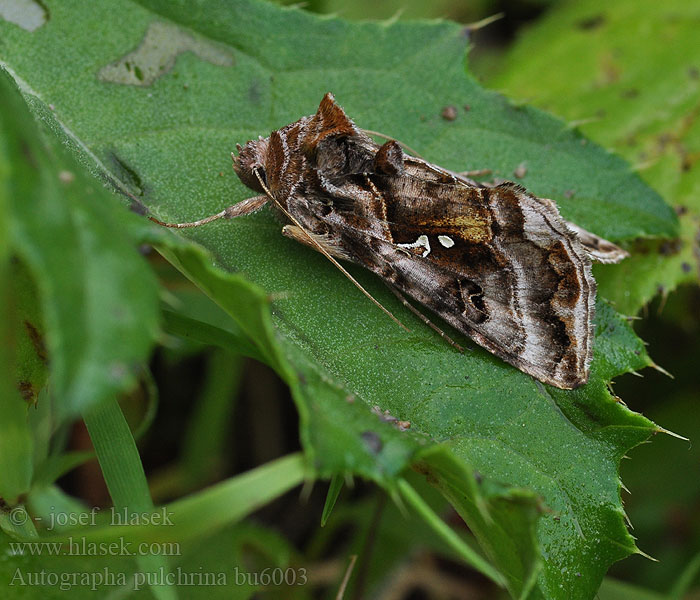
251	158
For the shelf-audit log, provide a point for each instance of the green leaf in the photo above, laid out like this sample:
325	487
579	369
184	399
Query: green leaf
98	298
456	543
331	497
15	438
123	473
227	564
58	465
30	360
232	338
503	519
223	504
620	590
383	533
118	457
209	424
686	579
488	436
16	445
634	89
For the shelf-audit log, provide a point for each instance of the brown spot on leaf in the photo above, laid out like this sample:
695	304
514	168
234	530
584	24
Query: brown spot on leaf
520	170
591	23
28	154
610	71
640	246
670	247
449	113
663	140
37	341
26	389
372	441
387	417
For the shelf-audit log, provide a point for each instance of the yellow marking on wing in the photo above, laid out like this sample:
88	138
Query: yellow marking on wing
473	228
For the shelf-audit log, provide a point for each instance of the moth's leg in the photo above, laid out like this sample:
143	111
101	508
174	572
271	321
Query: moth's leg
465	176
475	173
321	244
596	247
423	318
313	240
245	207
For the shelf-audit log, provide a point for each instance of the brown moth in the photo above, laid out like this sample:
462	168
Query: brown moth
497	263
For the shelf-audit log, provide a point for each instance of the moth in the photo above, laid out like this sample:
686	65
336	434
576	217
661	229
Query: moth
497	263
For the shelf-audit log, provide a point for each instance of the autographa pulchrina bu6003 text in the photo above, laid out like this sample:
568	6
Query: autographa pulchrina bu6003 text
497	263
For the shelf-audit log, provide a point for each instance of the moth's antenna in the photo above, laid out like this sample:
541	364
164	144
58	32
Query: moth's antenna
386	137
325	252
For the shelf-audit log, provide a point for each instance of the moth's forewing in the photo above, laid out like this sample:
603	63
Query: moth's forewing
497	263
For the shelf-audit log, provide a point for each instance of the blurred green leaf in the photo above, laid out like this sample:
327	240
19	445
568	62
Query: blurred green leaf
126	481
334	489
197	514
400	9
634	89
209	424
620	590
222	566
58	465
464	551
686	579
97	295
30	360
231	338
119	458
16	446
46	502
391	537
33	572
234	71
503	519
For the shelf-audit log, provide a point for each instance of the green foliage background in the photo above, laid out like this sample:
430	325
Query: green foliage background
151	109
